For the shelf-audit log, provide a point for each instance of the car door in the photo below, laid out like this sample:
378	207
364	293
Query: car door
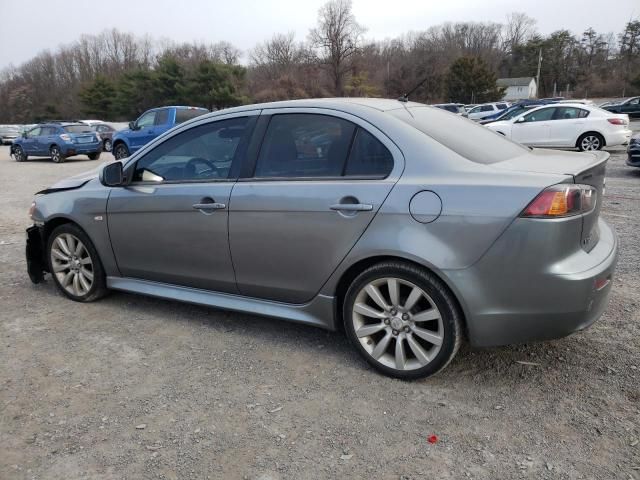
533	128
566	125
30	142
144	131
632	107
170	223
45	140
296	215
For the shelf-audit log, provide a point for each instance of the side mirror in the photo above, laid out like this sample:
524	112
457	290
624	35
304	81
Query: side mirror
132	126
111	175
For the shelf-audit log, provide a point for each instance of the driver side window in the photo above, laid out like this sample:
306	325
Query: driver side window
202	153
147	120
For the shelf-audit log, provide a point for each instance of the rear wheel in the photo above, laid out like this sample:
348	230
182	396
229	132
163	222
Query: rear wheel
107	145
590	142
18	154
402	320
56	154
94	156
120	151
75	265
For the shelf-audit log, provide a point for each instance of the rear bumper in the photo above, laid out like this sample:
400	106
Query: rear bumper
81	149
618	138
551	302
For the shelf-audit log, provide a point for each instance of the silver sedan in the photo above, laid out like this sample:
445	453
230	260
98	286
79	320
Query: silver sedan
409	227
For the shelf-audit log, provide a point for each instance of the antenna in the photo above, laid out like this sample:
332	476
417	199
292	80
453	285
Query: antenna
405	97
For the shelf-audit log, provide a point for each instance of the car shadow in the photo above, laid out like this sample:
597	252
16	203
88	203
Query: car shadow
488	364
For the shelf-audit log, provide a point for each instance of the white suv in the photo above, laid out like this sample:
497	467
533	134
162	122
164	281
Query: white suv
481	111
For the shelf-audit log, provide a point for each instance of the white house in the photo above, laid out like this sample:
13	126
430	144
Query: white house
518	88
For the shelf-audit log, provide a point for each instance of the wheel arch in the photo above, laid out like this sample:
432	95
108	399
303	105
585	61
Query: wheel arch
361	265
591	132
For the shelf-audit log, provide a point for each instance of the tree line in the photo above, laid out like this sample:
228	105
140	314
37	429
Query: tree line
117	76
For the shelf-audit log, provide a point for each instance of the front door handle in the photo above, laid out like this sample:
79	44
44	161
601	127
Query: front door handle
209	206
352	207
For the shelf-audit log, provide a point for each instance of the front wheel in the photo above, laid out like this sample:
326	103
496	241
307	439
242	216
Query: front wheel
590	142
120	151
56	154
94	156
402	320
75	265
18	154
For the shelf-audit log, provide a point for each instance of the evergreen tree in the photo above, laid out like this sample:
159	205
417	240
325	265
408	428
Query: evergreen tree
470	80
97	98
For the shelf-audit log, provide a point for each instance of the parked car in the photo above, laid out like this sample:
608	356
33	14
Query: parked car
630	106
512	111
566	125
149	125
456	108
106	132
481	111
633	151
411	227
57	140
8	133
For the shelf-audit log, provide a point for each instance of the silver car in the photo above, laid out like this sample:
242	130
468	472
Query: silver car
409	227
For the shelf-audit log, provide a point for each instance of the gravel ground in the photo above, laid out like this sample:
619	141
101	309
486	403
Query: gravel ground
132	387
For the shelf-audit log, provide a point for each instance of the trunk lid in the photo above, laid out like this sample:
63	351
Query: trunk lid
586	168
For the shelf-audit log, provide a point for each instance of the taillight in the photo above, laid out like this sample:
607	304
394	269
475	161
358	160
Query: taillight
616	121
66	137
563	200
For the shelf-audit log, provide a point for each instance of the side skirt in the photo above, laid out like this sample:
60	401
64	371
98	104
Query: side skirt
318	313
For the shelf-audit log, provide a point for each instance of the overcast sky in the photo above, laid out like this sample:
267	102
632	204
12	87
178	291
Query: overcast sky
31	26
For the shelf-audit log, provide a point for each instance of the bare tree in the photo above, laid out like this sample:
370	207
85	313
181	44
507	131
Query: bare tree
337	36
519	29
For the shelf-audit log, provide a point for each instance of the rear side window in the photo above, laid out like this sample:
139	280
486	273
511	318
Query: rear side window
465	137
486	108
369	157
162	117
501	106
304	145
569	113
184	114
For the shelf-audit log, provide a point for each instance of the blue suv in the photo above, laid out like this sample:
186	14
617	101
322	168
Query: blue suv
150	125
57	140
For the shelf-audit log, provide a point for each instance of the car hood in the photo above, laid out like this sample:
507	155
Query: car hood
74	182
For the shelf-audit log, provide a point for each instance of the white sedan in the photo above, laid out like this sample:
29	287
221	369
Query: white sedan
566	125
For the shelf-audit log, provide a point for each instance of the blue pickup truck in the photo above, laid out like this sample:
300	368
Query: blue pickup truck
149	125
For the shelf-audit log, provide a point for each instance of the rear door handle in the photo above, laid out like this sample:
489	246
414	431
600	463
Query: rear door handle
352	207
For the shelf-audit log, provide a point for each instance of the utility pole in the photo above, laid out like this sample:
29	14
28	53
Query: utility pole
538	74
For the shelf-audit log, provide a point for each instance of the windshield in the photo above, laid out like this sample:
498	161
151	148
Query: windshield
77	128
461	135
509	114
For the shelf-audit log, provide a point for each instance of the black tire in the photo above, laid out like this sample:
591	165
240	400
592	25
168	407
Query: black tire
98	287
588	139
442	299
56	154
120	151
94	156
106	145
19	155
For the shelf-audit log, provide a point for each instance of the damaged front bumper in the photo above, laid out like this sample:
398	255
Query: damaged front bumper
36	263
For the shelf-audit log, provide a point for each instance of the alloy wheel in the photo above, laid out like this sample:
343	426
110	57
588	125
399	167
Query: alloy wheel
590	143
397	323
121	152
71	264
18	153
107	145
55	154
